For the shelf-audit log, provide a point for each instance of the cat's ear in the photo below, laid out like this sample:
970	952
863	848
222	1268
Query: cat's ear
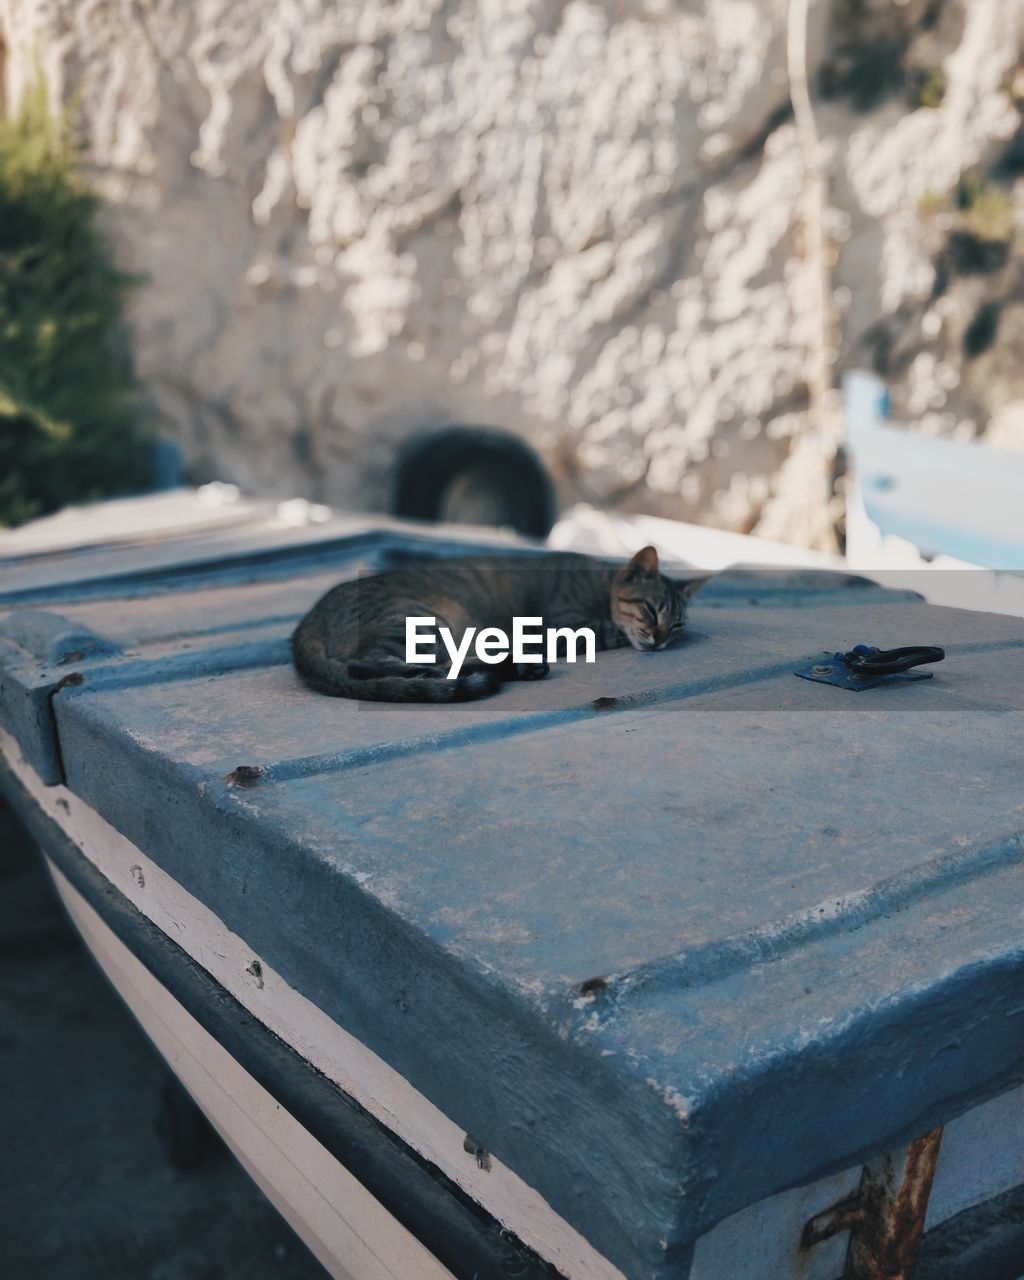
693	585
644	564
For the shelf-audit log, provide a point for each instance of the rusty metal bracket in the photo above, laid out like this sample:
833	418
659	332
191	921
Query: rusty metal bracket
841	1216
865	667
883	1246
885	1215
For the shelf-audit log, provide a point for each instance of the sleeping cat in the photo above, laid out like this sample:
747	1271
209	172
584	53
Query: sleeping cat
351	644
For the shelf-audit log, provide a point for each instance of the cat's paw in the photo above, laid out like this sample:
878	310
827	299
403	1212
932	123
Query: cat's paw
478	684
531	670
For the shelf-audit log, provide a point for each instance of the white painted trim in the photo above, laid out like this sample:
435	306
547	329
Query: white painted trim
762	1242
355	1068
348	1229
981	1156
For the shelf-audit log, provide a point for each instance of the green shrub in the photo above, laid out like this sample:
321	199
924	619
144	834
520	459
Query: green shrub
990	215
929	89
986	209
69	429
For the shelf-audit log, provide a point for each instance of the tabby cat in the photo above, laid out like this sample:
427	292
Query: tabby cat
351	644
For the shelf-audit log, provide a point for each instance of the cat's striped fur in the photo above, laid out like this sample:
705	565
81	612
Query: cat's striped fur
351	644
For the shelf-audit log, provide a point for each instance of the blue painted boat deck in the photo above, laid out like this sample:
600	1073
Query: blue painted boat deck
662	958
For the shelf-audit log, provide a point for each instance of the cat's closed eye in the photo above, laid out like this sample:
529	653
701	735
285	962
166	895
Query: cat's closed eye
649	610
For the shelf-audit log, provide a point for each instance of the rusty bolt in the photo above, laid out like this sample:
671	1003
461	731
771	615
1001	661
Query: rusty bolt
474	1148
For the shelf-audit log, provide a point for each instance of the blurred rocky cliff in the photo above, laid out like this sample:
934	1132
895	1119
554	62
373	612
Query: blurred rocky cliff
357	219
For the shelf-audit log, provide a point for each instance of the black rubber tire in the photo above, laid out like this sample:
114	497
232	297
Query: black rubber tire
474	475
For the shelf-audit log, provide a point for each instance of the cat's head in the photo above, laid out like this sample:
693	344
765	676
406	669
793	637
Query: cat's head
646	605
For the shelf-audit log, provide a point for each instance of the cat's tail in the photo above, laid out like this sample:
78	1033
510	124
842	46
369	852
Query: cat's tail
371	681
374	682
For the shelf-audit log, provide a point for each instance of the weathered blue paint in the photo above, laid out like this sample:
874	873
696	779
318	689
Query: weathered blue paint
38	653
721	934
127	570
423	1200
